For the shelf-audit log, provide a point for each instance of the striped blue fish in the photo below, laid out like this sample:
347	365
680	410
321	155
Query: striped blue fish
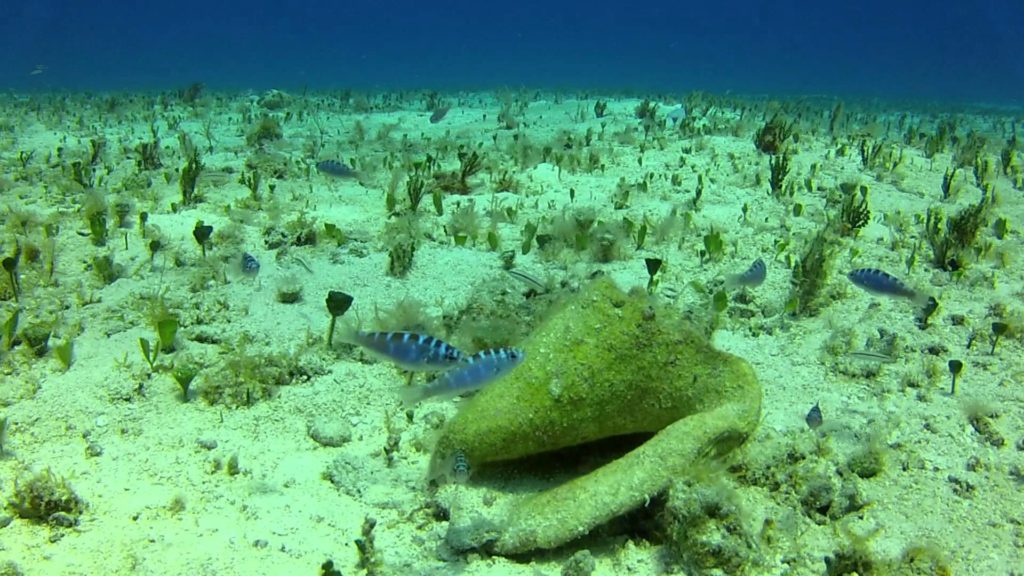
472	374
336	169
250	265
453	468
882	283
752	278
814	418
416	352
461	470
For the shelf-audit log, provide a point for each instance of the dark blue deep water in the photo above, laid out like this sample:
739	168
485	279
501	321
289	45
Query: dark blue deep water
944	51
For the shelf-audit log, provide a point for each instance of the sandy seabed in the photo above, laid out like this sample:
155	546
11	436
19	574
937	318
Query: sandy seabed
285	447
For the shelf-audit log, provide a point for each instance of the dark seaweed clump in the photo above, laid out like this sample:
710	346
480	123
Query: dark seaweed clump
854	212
771	138
810	274
954	239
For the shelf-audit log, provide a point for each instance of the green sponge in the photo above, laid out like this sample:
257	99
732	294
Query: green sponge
46	497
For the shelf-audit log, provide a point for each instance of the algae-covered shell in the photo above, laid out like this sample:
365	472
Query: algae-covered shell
604	366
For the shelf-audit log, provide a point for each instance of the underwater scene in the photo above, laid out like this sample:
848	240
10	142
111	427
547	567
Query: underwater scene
547	289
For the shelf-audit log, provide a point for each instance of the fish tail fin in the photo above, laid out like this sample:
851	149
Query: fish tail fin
922	299
344	336
347	330
412	395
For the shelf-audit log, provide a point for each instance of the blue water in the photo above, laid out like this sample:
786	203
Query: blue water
964	51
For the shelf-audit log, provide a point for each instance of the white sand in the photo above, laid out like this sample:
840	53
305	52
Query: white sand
281	516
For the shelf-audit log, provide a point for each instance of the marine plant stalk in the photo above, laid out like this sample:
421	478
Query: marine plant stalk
330	331
11	267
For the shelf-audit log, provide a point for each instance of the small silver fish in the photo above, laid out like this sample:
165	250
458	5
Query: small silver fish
752	278
872	356
415	352
881	283
535	284
472	374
